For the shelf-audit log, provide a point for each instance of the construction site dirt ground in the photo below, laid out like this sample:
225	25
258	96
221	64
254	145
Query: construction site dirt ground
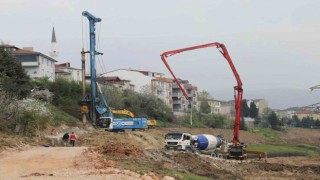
140	155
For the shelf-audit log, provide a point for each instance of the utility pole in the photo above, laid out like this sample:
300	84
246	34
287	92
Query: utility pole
83	67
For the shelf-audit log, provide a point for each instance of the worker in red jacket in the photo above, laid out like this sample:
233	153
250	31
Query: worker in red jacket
72	138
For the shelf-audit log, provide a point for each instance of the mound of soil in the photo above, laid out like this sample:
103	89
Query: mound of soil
121	149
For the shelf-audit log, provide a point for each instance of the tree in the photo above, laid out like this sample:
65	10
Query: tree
295	121
307	122
245	108
253	111
13	78
274	121
205	107
243	125
203	97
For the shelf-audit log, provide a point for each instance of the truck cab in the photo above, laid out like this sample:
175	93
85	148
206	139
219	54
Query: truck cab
178	141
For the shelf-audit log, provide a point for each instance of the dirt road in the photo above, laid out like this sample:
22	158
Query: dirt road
56	163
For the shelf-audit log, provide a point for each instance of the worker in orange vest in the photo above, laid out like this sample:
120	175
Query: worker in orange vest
72	138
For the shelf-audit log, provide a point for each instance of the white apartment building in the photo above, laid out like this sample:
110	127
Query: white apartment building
140	79
65	71
162	88
36	64
180	103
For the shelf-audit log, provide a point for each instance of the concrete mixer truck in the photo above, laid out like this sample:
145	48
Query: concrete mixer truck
216	146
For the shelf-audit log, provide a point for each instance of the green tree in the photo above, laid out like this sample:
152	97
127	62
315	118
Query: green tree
245	108
273	120
42	82
205	107
253	111
295	121
307	122
203	96
13	78
243	125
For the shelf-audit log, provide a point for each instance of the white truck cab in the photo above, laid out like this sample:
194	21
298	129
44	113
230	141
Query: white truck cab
178	141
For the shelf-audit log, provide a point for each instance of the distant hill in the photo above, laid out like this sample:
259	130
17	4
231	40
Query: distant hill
282	98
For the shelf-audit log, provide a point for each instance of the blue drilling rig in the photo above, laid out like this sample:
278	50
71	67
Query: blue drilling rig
95	103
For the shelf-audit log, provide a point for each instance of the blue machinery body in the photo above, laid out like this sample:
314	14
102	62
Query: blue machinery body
102	116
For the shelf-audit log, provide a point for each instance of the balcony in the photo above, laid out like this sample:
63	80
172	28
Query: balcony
176	94
175	86
30	64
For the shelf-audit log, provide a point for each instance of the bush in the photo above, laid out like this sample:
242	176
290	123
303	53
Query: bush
201	120
29	123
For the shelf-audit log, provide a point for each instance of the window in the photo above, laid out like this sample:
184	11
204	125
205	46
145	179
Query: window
185	137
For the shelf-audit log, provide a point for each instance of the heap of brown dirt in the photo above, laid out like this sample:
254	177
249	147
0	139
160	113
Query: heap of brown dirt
122	149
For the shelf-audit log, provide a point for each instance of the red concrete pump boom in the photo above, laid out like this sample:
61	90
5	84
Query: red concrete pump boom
237	96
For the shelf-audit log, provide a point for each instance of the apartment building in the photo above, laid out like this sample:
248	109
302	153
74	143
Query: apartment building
180	103
64	70
139	78
307	113
36	64
162	88
116	82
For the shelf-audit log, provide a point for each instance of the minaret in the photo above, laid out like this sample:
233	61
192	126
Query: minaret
54	51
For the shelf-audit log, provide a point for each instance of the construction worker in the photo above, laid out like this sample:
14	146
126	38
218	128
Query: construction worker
65	139
72	138
54	133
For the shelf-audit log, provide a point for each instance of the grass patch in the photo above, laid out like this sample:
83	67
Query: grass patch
59	116
266	132
309	150
312	151
272	148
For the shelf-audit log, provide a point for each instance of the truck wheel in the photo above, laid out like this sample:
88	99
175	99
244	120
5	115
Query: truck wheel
188	149
220	155
179	148
213	154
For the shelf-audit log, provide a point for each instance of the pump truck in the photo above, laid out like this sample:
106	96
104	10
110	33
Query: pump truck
95	104
237	149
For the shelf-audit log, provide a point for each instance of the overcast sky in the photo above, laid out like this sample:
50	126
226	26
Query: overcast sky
274	44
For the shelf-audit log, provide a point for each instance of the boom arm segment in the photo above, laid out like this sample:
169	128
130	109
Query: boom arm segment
237	96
